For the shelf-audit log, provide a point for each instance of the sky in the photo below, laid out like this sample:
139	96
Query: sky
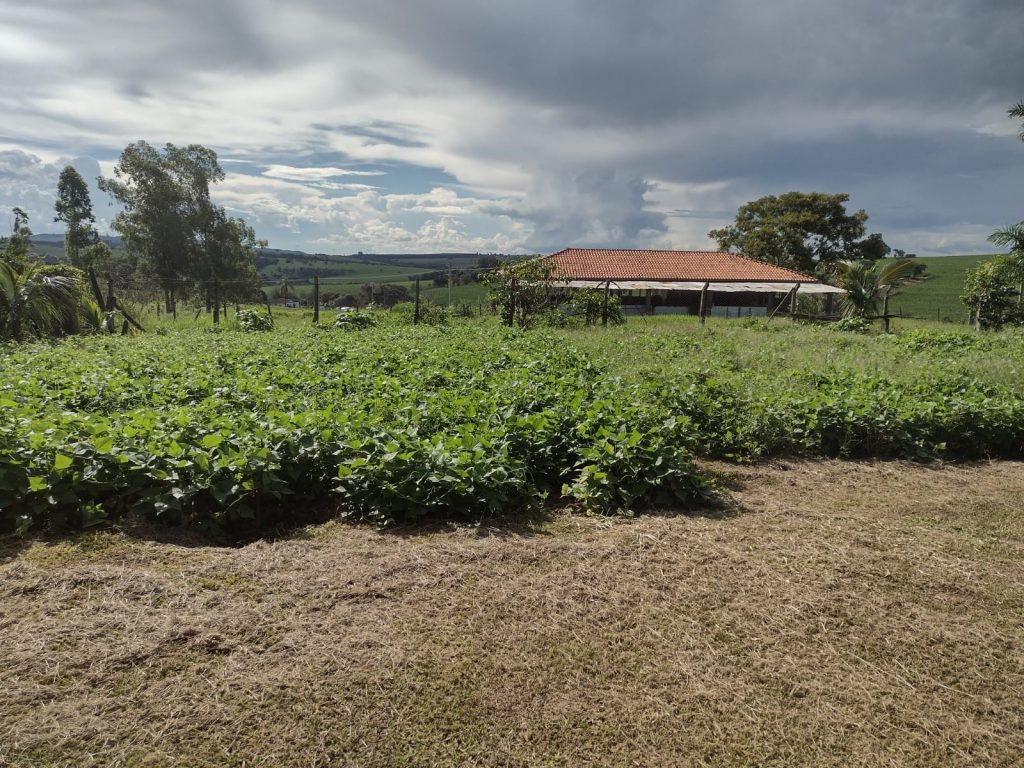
528	126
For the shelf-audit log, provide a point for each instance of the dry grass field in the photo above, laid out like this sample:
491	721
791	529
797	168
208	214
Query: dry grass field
834	614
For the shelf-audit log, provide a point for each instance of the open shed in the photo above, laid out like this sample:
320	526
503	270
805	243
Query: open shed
684	282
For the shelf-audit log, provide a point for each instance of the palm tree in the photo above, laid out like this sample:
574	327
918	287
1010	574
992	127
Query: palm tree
1017	110
869	283
1013	237
33	303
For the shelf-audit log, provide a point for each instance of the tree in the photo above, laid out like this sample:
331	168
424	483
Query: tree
869	283
1017	111
872	248
37	301
522	292
990	292
227	265
74	208
804	231
16	247
1013	237
166	199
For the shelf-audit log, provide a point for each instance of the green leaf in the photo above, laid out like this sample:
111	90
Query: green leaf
62	462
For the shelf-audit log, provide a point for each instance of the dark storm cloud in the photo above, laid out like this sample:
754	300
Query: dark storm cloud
585	110
650	61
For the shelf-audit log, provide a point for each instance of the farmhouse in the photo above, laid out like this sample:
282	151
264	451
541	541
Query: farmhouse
684	282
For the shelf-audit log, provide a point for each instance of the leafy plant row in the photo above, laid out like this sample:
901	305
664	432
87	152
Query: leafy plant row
394	424
227	430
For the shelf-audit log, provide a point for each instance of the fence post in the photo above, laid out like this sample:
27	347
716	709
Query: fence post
703	303
316	299
604	308
416	311
216	302
885	311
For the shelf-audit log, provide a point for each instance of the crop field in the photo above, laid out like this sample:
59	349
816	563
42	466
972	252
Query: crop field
462	545
938	296
395	423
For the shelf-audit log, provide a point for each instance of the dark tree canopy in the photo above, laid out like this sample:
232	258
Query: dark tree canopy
805	231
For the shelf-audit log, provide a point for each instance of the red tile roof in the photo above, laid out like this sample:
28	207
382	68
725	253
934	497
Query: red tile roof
705	266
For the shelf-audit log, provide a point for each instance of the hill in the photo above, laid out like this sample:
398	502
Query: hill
938	296
336	272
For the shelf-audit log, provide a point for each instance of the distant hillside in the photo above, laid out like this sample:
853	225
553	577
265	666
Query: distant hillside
299	267
938	296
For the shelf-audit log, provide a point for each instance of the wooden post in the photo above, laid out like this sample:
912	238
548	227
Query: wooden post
110	294
266	299
416	311
512	303
316	299
885	311
702	313
604	307
449	283
792	302
216	302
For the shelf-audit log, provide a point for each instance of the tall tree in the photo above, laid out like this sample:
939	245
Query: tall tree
74	208
15	250
225	267
166	199
805	231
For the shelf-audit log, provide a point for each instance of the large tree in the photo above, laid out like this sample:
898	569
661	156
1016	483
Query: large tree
805	231
166	199
74	208
15	249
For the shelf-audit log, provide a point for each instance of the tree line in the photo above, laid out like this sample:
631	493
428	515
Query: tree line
175	239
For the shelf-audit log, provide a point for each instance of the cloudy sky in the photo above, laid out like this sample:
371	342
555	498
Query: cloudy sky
369	125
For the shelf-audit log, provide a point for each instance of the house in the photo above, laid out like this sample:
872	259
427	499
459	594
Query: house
684	282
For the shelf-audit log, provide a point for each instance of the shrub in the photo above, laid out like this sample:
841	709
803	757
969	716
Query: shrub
353	320
253	321
852	325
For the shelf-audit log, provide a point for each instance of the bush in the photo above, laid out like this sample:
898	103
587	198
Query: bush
254	321
852	325
353	320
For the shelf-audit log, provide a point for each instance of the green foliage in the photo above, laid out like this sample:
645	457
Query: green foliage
74	208
932	340
588	304
430	313
851	324
805	231
171	223
522	293
39	301
254	320
867	282
354	320
397	423
16	248
991	292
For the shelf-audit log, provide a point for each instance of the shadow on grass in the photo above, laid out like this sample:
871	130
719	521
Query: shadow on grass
292	524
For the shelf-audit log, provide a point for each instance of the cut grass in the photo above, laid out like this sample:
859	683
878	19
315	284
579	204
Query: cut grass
844	614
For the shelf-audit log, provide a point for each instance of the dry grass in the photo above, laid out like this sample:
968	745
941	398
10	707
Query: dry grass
848	614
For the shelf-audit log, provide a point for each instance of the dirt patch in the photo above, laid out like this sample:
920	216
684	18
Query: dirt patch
847	614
